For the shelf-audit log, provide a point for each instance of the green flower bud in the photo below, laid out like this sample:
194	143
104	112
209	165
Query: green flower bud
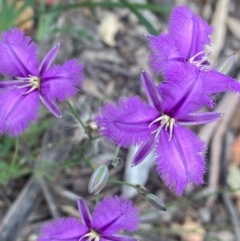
98	180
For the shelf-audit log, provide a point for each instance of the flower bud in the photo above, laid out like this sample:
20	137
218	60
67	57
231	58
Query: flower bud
155	201
98	180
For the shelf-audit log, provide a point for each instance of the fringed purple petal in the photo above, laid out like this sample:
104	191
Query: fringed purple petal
164	52
127	123
180	160
113	214
64	229
151	91
63	81
215	82
189	31
48	59
199	118
51	106
142	152
120	238
17	110
84	212
18	54
182	91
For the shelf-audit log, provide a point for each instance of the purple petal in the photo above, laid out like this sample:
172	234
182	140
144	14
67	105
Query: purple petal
189	31
84	212
64	229
51	106
180	160
182	91
63	81
17	110
142	152
127	122
120	238
199	118
151	91
113	214
216	82
48	59
11	83
164	52
18	54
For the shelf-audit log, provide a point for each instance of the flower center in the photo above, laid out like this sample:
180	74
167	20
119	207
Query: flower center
31	81
165	121
34	81
91	236
200	60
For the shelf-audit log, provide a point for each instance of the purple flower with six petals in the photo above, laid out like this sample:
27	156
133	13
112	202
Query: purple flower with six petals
109	217
184	45
159	125
32	82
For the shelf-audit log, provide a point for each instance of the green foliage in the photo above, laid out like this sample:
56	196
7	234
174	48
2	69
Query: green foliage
47	26
45	23
14	162
8	172
140	17
9	12
133	7
157	8
6	144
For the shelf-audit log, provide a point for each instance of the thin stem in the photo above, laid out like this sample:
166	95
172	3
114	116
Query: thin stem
75	114
122	183
97	198
116	152
87	160
115	162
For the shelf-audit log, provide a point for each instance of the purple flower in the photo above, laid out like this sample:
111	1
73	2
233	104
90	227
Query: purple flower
109	217
32	82
159	125
183	45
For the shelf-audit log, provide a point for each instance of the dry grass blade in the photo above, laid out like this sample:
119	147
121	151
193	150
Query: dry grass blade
219	25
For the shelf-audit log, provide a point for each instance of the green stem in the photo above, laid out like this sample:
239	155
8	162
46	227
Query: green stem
97	198
116	152
89	164
122	183
75	114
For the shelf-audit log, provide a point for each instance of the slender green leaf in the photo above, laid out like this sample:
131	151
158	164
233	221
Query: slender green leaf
9	12
141	18
109	4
